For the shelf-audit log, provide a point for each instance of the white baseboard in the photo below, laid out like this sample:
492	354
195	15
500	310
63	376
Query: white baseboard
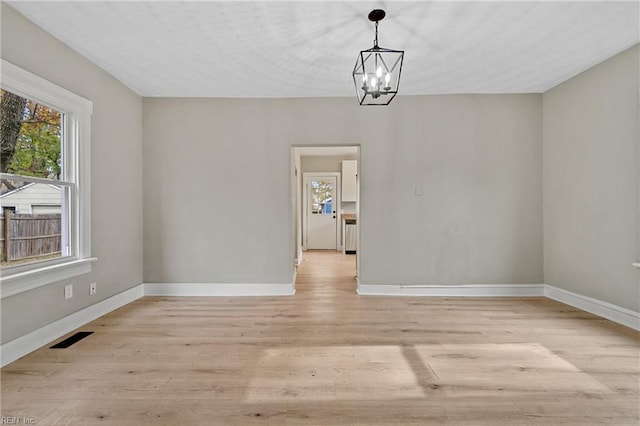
463	290
21	346
597	307
219	289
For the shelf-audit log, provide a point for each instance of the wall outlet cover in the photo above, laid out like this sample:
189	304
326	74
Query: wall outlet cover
68	291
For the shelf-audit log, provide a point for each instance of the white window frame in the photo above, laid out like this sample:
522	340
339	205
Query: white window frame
77	156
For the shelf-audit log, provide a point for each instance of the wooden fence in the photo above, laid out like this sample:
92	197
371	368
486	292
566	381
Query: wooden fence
25	236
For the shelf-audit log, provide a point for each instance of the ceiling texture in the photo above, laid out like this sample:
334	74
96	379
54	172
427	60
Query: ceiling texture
308	48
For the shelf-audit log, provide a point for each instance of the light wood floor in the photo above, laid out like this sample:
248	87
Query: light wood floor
328	356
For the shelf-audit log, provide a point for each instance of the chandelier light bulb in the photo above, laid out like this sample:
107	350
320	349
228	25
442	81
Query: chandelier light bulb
373	82
387	78
379	72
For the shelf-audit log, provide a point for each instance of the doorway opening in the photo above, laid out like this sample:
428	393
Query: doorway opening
325	194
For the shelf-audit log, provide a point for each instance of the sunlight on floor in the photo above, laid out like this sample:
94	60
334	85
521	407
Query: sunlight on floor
333	373
506	366
326	373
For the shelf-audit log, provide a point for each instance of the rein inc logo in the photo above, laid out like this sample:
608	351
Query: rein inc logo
7	420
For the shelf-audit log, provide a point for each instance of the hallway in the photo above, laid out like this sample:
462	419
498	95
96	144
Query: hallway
326	272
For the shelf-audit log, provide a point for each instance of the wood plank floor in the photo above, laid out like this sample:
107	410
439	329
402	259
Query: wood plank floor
328	356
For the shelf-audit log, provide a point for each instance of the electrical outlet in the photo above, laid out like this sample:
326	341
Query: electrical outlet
92	289
68	291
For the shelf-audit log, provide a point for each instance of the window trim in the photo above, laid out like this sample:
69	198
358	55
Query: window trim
78	111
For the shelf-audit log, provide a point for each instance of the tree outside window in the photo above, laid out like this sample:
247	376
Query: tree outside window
30	144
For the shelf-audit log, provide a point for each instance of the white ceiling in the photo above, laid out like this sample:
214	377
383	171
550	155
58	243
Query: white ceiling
308	49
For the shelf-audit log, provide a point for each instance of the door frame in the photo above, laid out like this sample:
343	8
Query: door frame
295	209
305	206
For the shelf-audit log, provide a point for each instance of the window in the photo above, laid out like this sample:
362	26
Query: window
44	182
34	190
321	197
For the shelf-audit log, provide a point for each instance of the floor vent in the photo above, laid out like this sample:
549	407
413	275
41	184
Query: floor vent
71	340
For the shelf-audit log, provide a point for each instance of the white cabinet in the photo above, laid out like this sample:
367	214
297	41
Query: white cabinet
349	171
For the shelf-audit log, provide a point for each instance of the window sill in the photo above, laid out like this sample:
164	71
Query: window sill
13	284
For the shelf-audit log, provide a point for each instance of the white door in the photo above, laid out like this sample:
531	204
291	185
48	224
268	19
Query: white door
321	212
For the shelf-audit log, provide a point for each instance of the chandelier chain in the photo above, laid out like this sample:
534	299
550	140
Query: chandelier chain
375	41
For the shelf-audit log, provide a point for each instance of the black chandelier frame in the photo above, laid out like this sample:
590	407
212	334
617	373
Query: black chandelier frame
385	62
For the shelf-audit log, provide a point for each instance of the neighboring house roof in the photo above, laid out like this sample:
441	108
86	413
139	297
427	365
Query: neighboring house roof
13	191
29	185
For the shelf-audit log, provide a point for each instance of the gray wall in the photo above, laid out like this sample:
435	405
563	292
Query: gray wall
476	158
591	189
324	163
116	174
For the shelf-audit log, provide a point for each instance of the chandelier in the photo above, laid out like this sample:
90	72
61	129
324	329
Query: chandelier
376	74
